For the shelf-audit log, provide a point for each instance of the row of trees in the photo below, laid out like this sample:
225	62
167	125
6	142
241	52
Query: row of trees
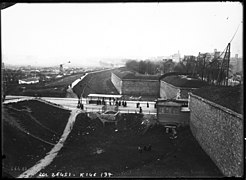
204	66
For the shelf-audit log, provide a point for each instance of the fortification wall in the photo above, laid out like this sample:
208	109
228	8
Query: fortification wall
117	82
168	91
139	87
219	131
136	87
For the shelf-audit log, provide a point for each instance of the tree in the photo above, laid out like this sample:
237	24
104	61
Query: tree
132	65
168	65
180	67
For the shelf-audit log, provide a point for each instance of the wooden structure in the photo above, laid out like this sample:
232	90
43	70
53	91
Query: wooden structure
171	112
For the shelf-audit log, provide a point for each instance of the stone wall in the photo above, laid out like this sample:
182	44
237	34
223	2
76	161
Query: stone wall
117	82
136	87
140	87
219	131
168	91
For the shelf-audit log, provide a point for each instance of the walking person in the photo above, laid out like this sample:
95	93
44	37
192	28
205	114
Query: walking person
147	105
140	110
78	106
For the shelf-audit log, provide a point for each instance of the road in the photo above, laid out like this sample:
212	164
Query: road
71	103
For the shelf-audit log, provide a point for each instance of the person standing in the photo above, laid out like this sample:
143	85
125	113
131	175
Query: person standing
140	110
147	105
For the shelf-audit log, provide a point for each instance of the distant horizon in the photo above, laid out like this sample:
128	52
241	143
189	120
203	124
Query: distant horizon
88	65
86	33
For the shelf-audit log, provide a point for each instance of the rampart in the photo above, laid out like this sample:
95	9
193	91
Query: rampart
169	91
137	87
219	131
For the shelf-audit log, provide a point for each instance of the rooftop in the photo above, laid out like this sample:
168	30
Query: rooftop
30	79
230	97
125	73
184	81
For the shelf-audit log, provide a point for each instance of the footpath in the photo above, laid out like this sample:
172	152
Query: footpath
54	151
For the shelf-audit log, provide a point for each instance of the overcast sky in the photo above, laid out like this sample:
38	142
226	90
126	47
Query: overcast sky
48	34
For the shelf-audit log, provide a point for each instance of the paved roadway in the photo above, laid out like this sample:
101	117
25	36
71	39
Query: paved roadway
71	103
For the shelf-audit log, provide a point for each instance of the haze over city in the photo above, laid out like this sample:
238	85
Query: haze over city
49	34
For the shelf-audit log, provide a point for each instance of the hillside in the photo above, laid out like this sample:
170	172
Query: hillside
56	88
30	130
227	96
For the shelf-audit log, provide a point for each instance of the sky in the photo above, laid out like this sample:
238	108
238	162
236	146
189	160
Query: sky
84	33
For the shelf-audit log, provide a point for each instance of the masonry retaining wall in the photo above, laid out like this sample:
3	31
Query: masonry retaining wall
219	131
168	91
136	87
117	82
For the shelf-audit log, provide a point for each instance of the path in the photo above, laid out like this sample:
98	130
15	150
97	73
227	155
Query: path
54	151
71	103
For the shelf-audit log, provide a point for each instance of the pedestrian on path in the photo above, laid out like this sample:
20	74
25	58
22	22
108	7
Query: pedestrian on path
140	110
147	105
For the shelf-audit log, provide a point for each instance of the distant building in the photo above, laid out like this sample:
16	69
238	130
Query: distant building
210	56
32	80
237	64
176	57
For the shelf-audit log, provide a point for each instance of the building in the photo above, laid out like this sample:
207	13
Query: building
32	80
172	107
171	112
237	64
175	57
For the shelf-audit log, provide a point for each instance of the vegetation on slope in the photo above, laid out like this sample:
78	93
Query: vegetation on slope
227	96
30	130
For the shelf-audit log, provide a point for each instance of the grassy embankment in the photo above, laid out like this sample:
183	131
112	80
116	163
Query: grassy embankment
227	96
30	130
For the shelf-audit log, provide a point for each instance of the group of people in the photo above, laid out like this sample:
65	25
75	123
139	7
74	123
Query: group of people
138	105
145	148
80	105
118	103
174	134
101	102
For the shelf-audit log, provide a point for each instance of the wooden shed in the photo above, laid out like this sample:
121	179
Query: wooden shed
172	113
